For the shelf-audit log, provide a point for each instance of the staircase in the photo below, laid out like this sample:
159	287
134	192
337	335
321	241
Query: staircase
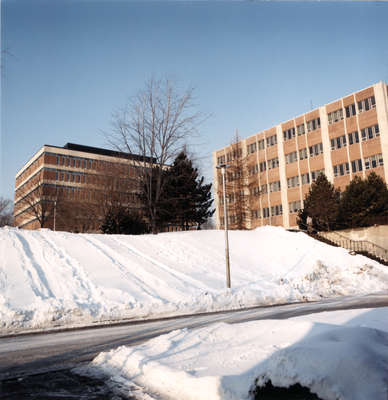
363	247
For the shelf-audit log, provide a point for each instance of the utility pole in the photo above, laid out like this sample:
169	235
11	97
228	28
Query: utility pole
223	167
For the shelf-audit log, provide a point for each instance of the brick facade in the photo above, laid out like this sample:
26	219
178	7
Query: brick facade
71	184
345	138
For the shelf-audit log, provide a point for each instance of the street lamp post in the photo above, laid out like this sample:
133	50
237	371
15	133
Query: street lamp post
223	167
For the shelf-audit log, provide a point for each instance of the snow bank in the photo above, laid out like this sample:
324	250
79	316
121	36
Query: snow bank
57	278
337	362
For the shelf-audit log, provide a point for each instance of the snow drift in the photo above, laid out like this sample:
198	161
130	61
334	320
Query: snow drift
345	361
58	278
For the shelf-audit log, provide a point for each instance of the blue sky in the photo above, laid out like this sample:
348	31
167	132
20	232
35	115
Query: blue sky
254	64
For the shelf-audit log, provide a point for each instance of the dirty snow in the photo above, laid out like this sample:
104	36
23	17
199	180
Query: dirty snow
60	279
340	355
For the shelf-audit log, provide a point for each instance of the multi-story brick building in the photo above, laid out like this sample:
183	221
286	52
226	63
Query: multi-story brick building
69	186
345	138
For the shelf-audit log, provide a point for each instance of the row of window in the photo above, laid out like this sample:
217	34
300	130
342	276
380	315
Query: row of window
334	116
362	105
357	165
76	162
294	181
70	177
354	137
271	140
275	211
290	133
313	124
314	150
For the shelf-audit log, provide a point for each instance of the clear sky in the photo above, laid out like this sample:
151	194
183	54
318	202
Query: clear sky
254	64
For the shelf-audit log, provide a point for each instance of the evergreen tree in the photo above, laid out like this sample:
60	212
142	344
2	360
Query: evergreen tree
321	204
377	193
353	204
363	202
185	200
204	202
120	220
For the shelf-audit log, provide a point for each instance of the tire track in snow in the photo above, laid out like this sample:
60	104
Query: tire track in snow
176	274
92	292
36	276
143	286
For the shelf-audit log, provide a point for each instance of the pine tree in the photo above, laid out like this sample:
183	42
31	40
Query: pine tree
353	204
120	220
185	200
363	202
204	202
321	204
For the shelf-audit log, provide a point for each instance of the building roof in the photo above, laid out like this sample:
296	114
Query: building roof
105	152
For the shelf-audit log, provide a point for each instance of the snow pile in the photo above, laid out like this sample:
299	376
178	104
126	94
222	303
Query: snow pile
337	362
58	278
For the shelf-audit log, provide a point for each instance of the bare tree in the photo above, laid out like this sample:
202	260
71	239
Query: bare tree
156	124
237	186
41	202
5	212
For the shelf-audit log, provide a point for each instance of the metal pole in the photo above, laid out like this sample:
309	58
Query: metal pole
226	231
55	212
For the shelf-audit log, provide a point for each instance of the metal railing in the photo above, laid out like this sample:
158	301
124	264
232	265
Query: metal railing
356	245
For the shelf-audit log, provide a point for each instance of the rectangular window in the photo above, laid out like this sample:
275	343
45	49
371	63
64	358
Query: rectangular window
316	149
313	124
338	142
366	104
289	134
341	169
294	206
263	166
356	166
335	116
271	141
251	148
303	154
274	163
300	129
265	212
264	188
261	144
305	179
353	138
291	157
276	210
370	132
350	110
293	182
373	161
274	186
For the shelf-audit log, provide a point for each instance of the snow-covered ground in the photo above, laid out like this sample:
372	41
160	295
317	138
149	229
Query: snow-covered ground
57	278
340	355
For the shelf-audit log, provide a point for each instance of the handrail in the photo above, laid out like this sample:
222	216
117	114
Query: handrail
356	245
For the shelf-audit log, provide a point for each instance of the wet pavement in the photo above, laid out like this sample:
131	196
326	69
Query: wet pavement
62	385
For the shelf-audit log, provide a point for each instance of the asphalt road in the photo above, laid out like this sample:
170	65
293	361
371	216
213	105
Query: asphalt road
37	353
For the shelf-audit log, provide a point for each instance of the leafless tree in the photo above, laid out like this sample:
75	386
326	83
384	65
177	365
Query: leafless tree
156	124
5	212
41	202
237	186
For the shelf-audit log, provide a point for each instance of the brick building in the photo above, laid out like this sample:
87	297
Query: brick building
345	138
68	187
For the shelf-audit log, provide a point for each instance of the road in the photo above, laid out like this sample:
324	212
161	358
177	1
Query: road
37	353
